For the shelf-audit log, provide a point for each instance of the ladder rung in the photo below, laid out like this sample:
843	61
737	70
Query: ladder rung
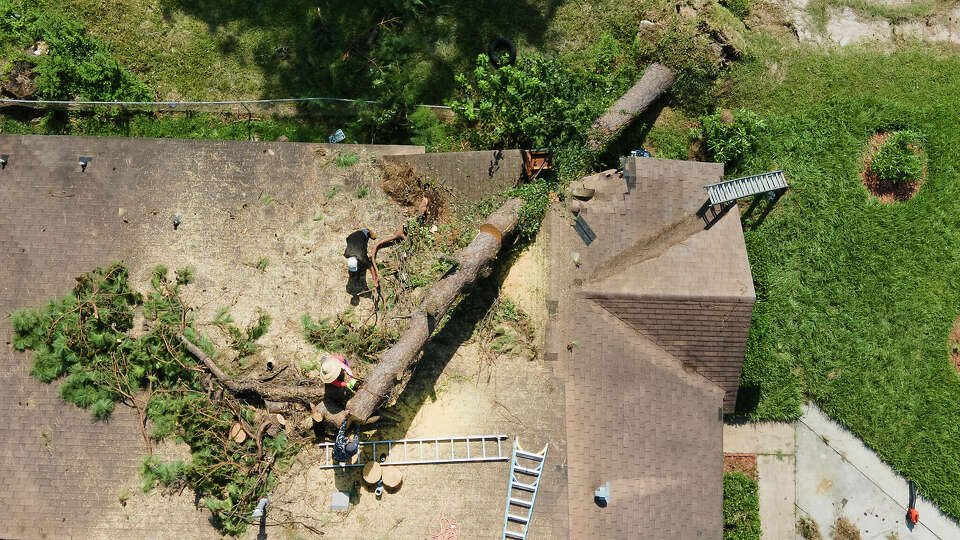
511	534
526	487
537	457
519	502
524	470
517	519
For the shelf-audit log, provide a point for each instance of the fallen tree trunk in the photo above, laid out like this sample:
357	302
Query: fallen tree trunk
392	369
307	395
655	81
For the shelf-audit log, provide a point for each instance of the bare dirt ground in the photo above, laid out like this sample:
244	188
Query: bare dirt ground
954	344
844	25
743	463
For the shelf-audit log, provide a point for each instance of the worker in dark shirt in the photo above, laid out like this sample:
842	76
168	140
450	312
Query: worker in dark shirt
345	448
356	252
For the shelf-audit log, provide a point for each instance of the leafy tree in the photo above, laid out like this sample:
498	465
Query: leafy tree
76	66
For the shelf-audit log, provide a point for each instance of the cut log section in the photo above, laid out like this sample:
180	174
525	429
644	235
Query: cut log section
391	371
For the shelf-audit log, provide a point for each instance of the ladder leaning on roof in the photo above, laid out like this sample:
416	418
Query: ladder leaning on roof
520	488
725	194
415	451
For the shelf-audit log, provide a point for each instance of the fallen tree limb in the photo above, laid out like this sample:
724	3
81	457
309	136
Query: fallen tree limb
267	391
399	235
655	81
392	369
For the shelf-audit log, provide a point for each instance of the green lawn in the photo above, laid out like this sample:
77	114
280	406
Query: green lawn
855	299
234	49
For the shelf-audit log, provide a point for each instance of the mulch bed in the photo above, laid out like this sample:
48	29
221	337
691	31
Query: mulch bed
954	344
742	463
885	190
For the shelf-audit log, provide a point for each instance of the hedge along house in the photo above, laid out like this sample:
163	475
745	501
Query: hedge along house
651	312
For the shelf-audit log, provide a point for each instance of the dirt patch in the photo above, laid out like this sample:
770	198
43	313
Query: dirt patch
408	186
884	190
741	463
954	344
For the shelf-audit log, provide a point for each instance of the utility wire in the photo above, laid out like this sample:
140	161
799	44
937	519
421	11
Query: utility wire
174	104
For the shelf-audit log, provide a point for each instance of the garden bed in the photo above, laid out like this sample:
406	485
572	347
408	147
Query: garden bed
742	463
886	191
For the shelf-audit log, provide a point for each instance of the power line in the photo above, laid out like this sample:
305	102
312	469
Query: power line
175	104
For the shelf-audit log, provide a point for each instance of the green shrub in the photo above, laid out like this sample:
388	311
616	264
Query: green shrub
77	65
741	507
537	102
536	200
729	142
900	158
739	8
427	130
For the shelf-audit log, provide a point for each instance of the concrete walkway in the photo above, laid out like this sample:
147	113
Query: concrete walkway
774	444
837	475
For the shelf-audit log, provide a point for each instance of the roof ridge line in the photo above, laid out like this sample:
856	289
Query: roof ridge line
648	248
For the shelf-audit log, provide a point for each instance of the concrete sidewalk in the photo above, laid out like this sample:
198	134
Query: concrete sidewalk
774	444
837	475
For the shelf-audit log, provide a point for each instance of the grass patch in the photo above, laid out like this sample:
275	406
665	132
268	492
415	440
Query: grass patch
177	125
347	160
856	299
741	507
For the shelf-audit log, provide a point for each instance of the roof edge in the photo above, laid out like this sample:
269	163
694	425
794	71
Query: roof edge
592	293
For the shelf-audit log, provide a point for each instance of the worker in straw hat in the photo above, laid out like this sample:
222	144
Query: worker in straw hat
335	370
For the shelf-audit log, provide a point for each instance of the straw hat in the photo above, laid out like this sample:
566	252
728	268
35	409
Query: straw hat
330	369
372	472
392	477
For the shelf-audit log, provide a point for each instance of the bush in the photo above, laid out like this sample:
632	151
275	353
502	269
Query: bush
728	141
739	8
741	507
77	65
900	157
537	102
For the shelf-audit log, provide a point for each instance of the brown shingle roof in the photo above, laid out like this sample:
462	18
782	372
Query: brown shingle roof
650	332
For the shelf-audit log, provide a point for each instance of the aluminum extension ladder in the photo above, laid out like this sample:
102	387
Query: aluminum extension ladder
731	190
414	451
522	490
